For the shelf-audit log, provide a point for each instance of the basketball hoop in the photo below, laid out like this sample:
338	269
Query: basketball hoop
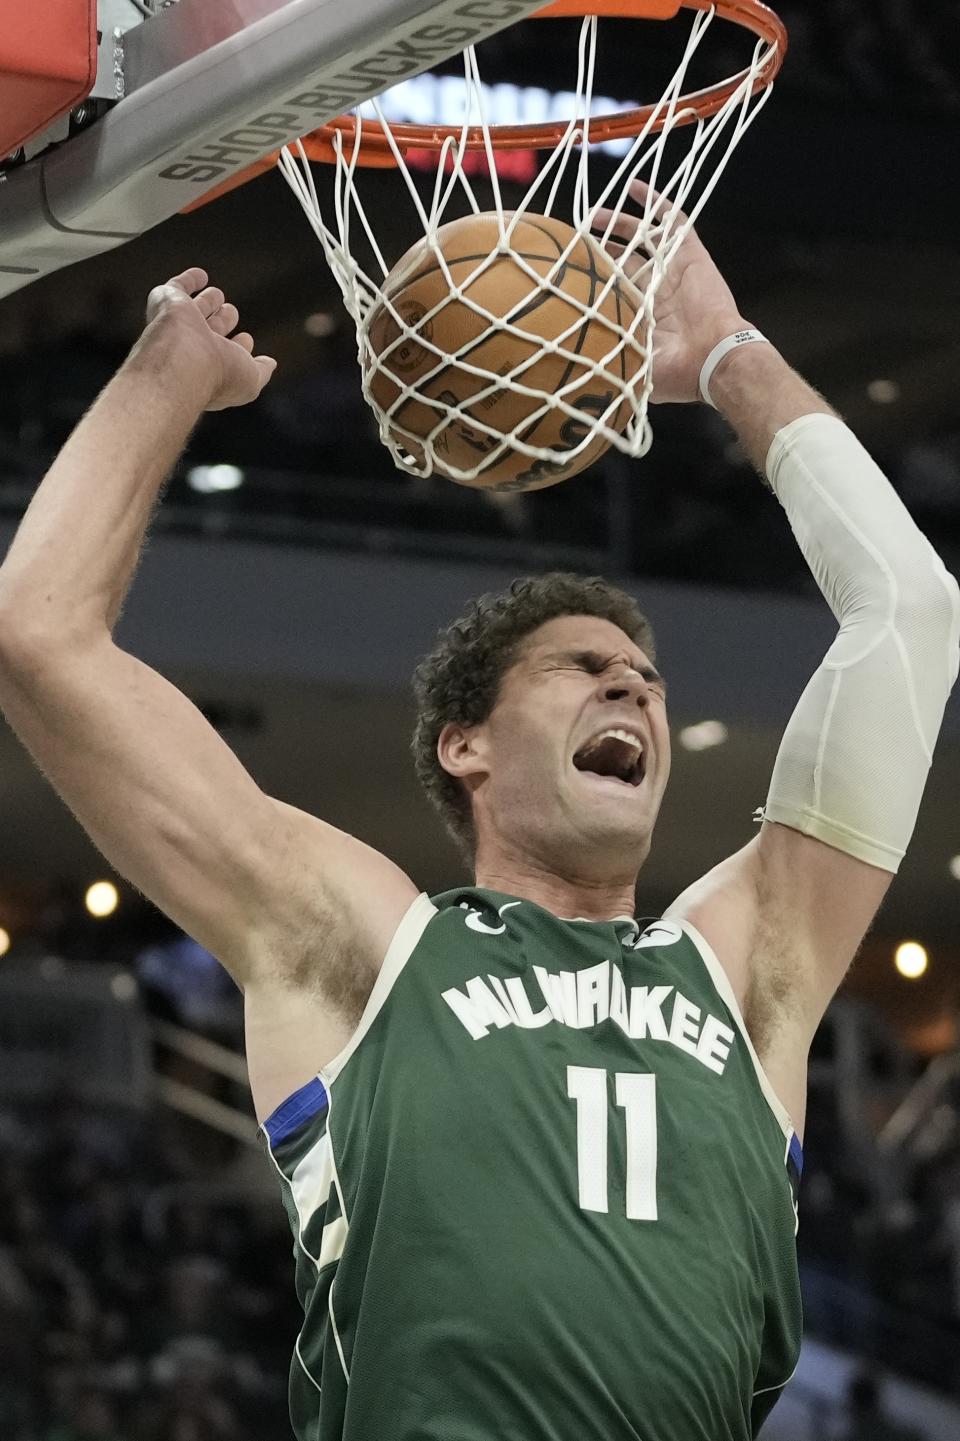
715	119
376	149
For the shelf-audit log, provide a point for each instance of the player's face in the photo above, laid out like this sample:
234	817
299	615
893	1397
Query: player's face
575	756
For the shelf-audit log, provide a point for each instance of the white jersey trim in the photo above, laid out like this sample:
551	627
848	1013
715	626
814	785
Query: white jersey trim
300	1220
405	940
303	1365
300	1228
765	1389
722	984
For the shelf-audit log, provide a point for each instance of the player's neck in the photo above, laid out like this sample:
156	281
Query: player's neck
567	896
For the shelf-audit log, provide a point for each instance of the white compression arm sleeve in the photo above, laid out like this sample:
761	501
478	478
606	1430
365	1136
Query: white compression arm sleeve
854	758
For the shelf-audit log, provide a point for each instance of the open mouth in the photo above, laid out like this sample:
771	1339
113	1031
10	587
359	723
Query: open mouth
615	754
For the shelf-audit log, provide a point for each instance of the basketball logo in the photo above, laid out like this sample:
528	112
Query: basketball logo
409	354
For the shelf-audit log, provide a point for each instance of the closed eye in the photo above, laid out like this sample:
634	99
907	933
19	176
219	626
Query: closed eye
596	664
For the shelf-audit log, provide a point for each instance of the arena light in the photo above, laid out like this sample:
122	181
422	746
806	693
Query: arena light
910	959
703	736
883	392
208	479
124	987
955	867
320	324
102	899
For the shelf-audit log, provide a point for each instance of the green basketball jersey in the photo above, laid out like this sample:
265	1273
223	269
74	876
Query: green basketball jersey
545	1193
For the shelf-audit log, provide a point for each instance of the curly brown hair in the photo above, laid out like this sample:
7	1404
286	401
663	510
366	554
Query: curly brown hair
460	679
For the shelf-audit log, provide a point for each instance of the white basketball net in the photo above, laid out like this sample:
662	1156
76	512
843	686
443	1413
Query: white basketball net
642	263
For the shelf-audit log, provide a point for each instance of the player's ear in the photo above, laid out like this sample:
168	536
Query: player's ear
461	750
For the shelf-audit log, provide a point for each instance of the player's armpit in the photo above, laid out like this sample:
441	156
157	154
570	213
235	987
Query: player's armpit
336	908
785	917
172	809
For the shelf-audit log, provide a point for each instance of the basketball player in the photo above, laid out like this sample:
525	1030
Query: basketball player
540	1160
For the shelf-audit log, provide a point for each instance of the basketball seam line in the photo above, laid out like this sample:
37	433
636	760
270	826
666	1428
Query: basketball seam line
542	296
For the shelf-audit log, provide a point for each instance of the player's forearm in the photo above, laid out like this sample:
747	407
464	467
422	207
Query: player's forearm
75	552
759	393
855	756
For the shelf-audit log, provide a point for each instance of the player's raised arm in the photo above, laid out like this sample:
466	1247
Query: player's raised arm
265	887
788	913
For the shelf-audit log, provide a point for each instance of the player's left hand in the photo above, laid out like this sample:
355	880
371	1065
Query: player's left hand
694	307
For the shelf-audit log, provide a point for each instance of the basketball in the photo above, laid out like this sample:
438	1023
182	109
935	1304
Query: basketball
509	287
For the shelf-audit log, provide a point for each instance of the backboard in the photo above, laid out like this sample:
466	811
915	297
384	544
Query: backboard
48	64
204	88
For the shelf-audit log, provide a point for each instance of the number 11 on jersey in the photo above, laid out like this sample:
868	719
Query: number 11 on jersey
637	1097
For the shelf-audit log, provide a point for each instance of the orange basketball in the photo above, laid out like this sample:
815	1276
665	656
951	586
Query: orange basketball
417	284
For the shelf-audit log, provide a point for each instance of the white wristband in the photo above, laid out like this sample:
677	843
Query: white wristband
732	342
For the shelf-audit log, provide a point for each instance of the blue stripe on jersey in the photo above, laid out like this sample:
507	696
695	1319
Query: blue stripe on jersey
291	1113
796	1153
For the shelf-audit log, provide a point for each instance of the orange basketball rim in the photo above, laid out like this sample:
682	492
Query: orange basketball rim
374	148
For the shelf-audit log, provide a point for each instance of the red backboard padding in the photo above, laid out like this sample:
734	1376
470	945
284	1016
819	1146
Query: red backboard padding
48	64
